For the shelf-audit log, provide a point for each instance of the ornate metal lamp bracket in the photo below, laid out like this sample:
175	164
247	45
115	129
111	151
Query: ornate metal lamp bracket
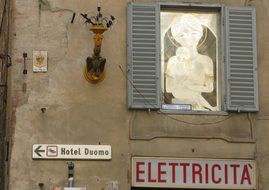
95	65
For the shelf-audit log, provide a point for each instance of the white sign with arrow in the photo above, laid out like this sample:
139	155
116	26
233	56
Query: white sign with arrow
76	152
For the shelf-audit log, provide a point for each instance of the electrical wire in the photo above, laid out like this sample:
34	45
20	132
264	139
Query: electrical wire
53	10
169	116
248	3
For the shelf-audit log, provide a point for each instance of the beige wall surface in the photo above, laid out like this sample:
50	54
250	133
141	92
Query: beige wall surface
78	112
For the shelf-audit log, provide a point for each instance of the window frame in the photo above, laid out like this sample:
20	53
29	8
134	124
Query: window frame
219	64
222	62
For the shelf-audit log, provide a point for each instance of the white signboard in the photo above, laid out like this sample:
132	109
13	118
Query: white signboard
63	151
193	173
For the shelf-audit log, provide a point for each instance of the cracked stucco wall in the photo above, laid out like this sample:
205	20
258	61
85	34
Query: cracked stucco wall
73	106
78	112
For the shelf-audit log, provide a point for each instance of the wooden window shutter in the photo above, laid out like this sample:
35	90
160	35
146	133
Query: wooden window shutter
143	56
241	59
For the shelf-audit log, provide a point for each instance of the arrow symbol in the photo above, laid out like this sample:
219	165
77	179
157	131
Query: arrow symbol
37	150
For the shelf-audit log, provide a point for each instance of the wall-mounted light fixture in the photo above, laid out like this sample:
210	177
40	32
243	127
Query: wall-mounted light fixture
95	64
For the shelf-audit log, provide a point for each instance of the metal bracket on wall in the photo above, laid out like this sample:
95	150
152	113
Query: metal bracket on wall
70	174
24	63
7	58
24	85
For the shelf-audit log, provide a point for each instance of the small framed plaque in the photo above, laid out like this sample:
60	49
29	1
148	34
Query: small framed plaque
40	61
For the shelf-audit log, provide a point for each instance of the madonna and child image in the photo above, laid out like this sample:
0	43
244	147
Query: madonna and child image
189	56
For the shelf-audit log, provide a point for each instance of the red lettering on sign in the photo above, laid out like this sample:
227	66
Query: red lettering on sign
214	167
193	173
235	166
196	170
161	172
226	174
138	171
173	165
206	173
149	174
184	167
245	175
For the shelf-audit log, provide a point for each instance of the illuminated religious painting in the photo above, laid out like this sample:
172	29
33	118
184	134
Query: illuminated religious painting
189	53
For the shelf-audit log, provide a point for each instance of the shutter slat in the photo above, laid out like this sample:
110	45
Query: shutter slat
143	30
239	34
241	73
235	51
143	56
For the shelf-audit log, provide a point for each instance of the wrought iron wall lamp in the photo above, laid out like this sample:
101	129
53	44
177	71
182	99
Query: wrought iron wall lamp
95	64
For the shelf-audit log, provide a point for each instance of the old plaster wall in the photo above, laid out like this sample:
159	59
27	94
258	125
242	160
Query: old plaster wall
78	112
262	124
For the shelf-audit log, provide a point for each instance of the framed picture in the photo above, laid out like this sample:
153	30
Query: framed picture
189	58
40	61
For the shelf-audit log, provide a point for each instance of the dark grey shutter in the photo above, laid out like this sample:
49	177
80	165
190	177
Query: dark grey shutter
143	56
241	59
